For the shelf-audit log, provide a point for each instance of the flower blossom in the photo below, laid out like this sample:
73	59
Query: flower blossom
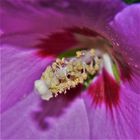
34	35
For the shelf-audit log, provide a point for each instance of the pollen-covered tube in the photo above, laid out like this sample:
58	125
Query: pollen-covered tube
67	73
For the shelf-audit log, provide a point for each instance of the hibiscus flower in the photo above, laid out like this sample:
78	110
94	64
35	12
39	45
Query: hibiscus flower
35	33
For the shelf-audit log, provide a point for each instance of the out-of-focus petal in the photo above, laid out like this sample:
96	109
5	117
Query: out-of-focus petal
26	28
122	123
19	70
127	39
99	13
35	18
28	120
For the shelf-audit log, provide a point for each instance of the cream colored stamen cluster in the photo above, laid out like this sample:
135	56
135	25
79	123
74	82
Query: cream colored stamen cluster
67	73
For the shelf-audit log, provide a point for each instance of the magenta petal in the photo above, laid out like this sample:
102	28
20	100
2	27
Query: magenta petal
20	68
88	123
35	18
21	25
19	123
121	123
126	27
126	36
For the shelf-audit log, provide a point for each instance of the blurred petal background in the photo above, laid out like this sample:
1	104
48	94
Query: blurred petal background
33	33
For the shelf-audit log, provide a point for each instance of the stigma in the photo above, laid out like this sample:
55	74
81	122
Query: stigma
67	73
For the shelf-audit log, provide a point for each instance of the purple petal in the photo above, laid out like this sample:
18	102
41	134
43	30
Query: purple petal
25	30
122	123
19	122
35	18
20	68
126	37
88	123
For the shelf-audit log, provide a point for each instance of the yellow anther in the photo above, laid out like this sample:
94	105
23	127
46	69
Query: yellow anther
78	53
58	60
92	52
